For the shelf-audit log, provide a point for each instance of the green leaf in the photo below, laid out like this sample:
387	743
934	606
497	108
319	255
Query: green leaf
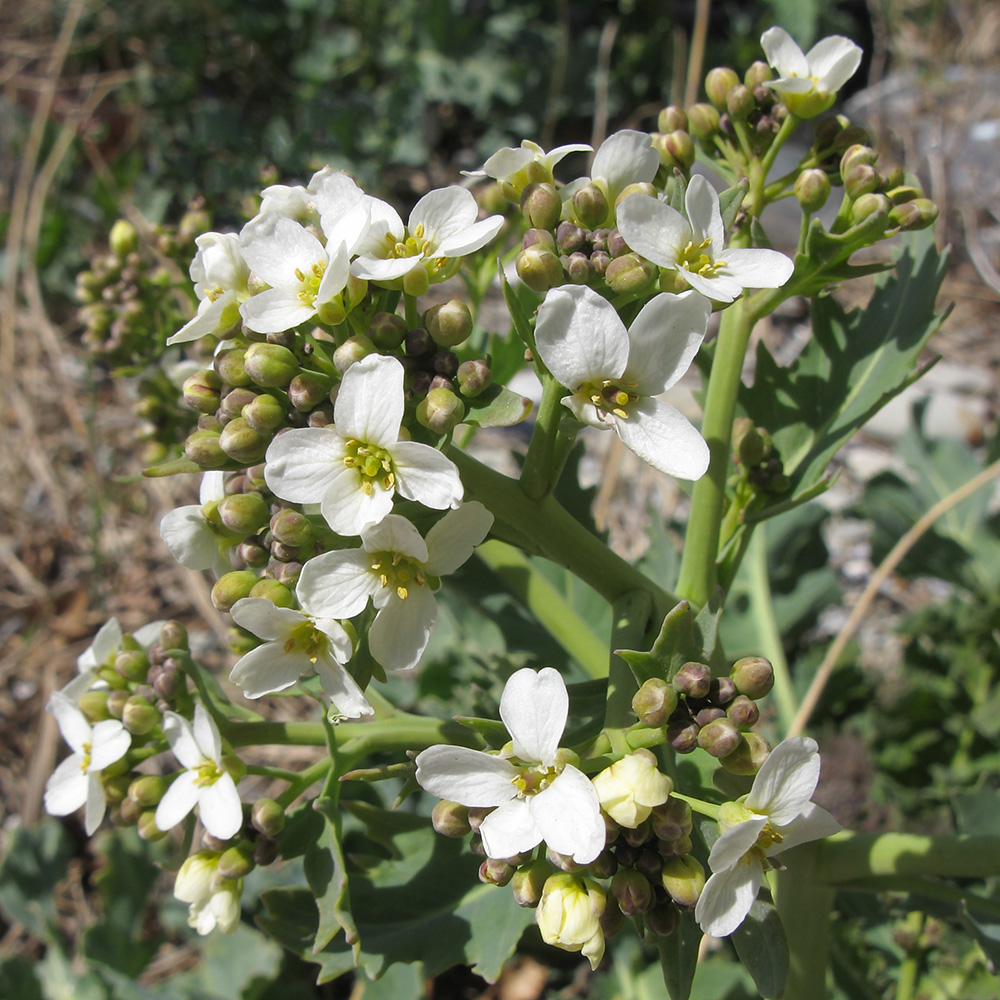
37	858
679	957
17	979
496	406
326	872
978	813
800	18
518	313
762	948
730	201
400	982
172	468
984	925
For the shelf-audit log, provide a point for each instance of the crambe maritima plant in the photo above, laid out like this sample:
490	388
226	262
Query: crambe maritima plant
498	721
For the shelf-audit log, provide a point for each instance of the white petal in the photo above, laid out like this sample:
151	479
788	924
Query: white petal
791	84
388	269
96	804
72	722
722	287
213	487
580	337
104	646
301	462
443	212
568	814
207	320
274	249
507	161
265	619
339	646
534	707
342	689
551	159
369	405
189	537
786	781
425	475
451	541
734	843
111	741
702	204
206	734
178	800
665	438
468	777
509	830
757	268
275	310
66	789
395	534
347	508
470	239
334	279
627	157
219	808
181	739
268	669
337	584
727	897
833	61
813	823
664	339
400	632
653	229
783	54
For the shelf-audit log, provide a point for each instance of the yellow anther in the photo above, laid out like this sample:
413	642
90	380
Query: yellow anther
299	274
419	231
402	592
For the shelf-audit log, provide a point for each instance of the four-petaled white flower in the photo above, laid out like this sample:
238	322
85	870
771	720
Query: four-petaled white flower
214	901
296	643
194	541
808	83
694	246
77	780
399	571
517	167
328	191
353	469
442	227
102	652
775	816
627	157
537	797
220	276
614	373
203	783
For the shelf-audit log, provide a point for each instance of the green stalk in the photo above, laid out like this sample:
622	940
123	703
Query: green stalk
306	779
630	619
805	907
697	580
539	474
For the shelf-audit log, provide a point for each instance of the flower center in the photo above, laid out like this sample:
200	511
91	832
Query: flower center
85	763
307	638
412	246
695	259
535	779
310	282
374	465
213	293
398	572
208	773
610	397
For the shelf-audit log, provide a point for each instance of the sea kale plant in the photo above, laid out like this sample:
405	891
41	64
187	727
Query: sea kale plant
340	376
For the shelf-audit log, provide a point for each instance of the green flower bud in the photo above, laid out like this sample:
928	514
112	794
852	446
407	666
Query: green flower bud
242	443
703	121
654	702
898	194
541	205
604	865
147	828
449	324
473	377
857	155
387	331
416	282
123	239
662	920
274	591
133	665
672	119
237	861
812	188
351	350
147	790
639	187
201	391
684	879
203	448
230	366
590	204
718	83
232	587
630	274
243	513
681	149
692	679
138	716
753	676
450	819
440	411
759	72
307	391
527	883
290	527
116	703
749	755
719	738
750	449
494	872
632	891
917	214
740	102
94	705
127	814
860	180
271	365
742	712
173	635
264	414
539	268
115	787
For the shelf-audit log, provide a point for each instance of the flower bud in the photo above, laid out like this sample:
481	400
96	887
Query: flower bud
578	268
671	119
570	237
147	790
682	735
450	819
564	862
683	878
671	820
274	591
719	738
722	691
128	813
857	155
604	865
539	268
709	714
693	680
241	442
740	102
541	205
264	414
387	331
676	149
753	676
749	755
638	835
861	179
139	716
306	392
290	527
440	411
654	702
477	814
630	274
230	366
132	664
232	587
569	915
416	281
916	214
116	703
473	377
718	83
243	513
271	365
542	236
758	72
649	862
123	239
742	712
662	920
94	705
351	350
201	391
203	448
632	891
630	787
590	204
495	872
237	862
528	883
449	324
703	121
638	187
812	188
147	828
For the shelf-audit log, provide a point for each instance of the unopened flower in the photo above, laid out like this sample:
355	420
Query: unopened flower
102	651
400	572
537	796
329	192
569	915
615	374
775	816
626	157
204	783
194	540
354	468
808	83
516	168
695	246
77	780
214	901
630	787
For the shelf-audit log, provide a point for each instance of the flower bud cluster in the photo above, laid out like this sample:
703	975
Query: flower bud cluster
759	469
868	190
747	104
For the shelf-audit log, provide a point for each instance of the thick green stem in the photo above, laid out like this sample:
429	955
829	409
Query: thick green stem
698	577
630	620
540	472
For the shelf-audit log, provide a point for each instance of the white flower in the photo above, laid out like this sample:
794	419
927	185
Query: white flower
569	915
194	541
296	643
204	783
775	816
220	276
328	192
695	246
441	227
77	780
536	796
215	901
102	653
627	157
614	373
808	83
399	571
517	167
353	469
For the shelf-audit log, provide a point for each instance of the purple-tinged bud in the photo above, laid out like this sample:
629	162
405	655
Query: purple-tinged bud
654	702
440	411
476	815
638	835
721	691
139	716
147	828
600	259
527	883
590	204
116	703
231	405
742	712
243	513
539	268
267	817
611	828
671	119
416	281
632	891
710	714
450	819
719	738
703	121
612	919
749	755
674	848
351	350
578	268
860	180
494	872
290	527
604	865
562	861
446	363
857	155
322	416
264	414
274	591
753	676
237	861
166	684
617	247
242	443
757	73
201	391
625	855
473	377
147	790
740	102
683	878
693	679
535	237
917	214
662	920
265	852
305	392
649	863
128	813
541	205
116	786
94	705
232	587
812	188
418	342
287	573
671	820
203	448
230	366
718	83
442	382
570	238
682	735
252	554
630	274
387	331
214	843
